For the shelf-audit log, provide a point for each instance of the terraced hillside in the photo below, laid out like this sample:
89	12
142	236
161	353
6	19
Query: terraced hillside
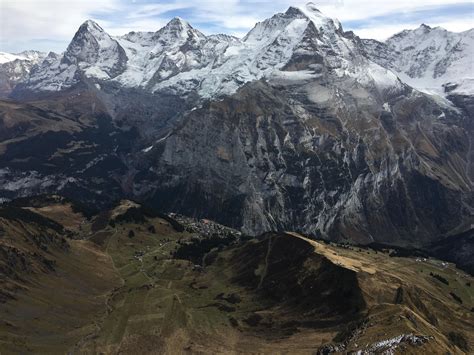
131	280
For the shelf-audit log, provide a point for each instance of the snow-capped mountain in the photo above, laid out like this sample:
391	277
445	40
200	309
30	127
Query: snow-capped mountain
34	56
433	60
94	52
292	127
15	68
177	48
8	57
180	59
91	53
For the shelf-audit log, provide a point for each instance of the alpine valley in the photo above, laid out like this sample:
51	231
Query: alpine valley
364	149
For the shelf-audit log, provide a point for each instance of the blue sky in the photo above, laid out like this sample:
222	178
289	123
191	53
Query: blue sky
50	24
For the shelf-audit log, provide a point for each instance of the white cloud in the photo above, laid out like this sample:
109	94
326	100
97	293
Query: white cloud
364	9
30	20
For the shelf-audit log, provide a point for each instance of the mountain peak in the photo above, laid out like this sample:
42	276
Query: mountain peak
423	28
178	28
178	21
309	10
91	26
87	35
94	49
294	11
320	20
177	25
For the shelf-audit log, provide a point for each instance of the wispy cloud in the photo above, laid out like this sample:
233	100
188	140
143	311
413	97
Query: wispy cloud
50	24
455	17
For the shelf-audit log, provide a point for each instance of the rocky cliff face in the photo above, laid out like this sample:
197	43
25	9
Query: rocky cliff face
274	156
293	127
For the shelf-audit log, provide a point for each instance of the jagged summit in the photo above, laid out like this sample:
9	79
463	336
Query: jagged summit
94	52
321	21
88	34
177	30
424	29
295	22
266	31
176	25
310	7
178	22
89	27
293	11
421	30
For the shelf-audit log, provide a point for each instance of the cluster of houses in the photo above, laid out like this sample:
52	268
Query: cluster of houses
205	228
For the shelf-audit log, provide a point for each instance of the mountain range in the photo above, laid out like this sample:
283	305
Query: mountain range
299	125
429	59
